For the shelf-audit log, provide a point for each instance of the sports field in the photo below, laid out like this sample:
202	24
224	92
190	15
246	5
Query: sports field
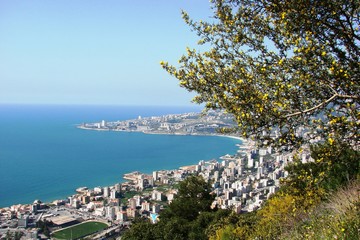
80	230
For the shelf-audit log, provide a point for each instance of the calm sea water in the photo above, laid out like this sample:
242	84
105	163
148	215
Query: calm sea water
44	156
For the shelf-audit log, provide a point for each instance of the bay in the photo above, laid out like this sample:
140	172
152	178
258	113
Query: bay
44	156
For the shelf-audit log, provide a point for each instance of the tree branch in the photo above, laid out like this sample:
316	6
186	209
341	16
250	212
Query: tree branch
322	104
313	108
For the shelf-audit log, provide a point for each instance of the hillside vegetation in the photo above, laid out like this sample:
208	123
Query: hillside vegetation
289	73
318	200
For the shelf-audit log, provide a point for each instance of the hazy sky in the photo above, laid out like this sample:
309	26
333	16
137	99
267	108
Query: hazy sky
94	52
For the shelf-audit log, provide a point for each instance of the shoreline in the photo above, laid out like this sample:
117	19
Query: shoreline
184	124
164	133
243	140
123	179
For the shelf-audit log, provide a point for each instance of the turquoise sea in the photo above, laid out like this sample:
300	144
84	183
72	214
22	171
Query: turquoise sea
44	156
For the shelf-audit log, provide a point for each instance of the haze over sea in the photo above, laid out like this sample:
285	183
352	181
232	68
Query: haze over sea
44	156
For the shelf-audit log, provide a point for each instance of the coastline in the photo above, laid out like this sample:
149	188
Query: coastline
246	143
123	179
165	133
243	140
114	164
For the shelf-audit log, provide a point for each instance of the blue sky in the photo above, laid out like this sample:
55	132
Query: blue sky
94	52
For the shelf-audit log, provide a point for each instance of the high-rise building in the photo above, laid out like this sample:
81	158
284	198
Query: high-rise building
85	199
110	212
141	183
113	193
261	160
122	216
132	203
106	192
70	201
216	175
237	208
250	161
145	206
118	187
138	200
155	176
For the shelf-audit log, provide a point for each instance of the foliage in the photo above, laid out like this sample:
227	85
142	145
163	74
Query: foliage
233	227
13	235
277	216
337	218
339	163
193	197
140	229
44	227
289	73
187	216
334	165
125	196
283	218
318	200
279	66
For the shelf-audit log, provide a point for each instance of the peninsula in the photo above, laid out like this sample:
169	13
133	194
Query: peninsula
181	124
